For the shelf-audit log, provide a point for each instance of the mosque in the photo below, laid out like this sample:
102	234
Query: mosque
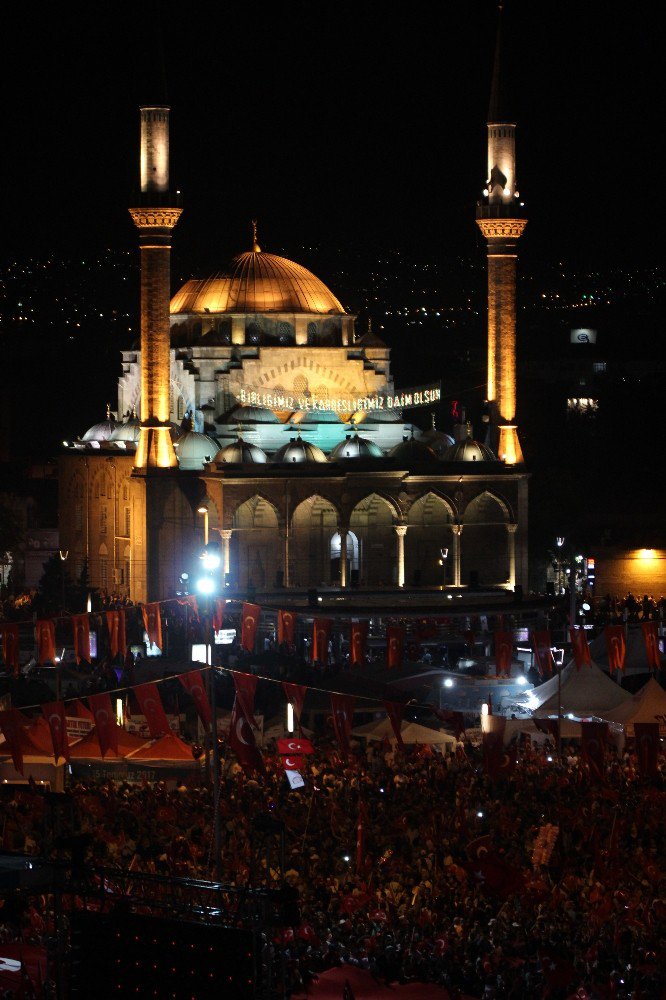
255	414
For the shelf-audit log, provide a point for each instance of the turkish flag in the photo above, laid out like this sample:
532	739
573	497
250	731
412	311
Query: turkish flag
493	744
647	747
81	631
54	713
454	719
551	727
152	623
218	614
249	625
286	627
293	763
105	722
191	602
593	746
193	683
10	646
543	657
503	653
343	716
651	641
395	645
295	694
243	743
45	636
395	711
580	648
115	623
246	687
321	634
359	641
11	725
151	706
293	744
616	646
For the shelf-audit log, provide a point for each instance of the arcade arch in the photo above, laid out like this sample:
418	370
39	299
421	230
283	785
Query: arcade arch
313	525
485	542
255	552
371	522
429	534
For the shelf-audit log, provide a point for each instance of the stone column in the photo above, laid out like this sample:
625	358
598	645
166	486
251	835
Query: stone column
457	532
343	558
225	534
511	541
401	531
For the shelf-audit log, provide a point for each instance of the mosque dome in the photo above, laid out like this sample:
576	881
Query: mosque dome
241	452
411	450
257	282
102	431
468	450
298	450
319	417
128	431
356	447
194	450
382	417
250	415
439	441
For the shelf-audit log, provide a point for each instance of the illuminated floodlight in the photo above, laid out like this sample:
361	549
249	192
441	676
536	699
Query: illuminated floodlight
521	680
206	585
448	683
210	559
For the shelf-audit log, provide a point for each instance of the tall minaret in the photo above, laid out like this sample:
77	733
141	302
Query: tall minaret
155	221
502	222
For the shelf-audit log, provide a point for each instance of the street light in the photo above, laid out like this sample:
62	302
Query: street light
63	558
444	554
203	509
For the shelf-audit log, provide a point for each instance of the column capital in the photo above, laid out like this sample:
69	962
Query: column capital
155	218
511	528
457	529
225	534
400	530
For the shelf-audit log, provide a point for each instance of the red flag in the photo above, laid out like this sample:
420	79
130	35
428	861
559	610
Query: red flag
193	683
286	628
294	744
192	604
12	726
551	727
246	687
616	646
151	706
243	743
105	722
81	711
359	641
543	657
593	746
54	713
343	716
580	648
152	623
249	625
647	747
496	876
395	645
295	694
45	635
493	744
321	634
10	646
454	719
293	763
218	614
81	631
503	653
651	641
395	711
115	623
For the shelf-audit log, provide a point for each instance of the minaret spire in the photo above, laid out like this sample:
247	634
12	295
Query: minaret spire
255	245
502	222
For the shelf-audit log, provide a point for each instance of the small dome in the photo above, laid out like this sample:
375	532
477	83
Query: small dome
382	417
241	452
468	451
128	431
411	450
102	431
319	417
298	450
250	415
439	441
195	450
356	447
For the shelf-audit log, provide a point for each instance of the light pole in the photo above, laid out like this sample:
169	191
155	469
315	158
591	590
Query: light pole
63	559
206	586
443	556
203	509
559	541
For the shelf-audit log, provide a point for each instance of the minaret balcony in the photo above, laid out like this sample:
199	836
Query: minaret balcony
500	210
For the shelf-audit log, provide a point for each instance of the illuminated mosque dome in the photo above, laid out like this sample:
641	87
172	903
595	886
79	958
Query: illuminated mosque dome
250	415
356	447
129	431
103	430
298	450
194	450
466	449
241	452
410	450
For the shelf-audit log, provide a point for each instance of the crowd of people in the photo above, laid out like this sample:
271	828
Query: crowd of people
416	867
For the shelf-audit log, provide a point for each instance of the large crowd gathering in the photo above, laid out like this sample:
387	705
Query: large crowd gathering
416	867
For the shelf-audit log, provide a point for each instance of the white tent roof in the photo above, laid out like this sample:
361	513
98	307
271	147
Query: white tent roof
635	661
647	705
585	692
411	732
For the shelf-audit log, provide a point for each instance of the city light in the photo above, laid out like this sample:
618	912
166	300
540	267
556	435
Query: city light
206	586
448	683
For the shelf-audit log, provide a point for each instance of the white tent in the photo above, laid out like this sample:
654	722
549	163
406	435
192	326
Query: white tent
411	732
647	705
635	661
585	692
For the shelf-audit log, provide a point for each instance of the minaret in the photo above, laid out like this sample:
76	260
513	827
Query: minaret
502	222
155	222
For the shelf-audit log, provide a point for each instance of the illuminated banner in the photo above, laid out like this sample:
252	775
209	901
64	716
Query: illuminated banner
405	399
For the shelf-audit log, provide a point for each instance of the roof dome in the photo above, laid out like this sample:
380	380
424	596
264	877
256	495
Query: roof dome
298	450
256	282
382	417
240	452
101	431
468	450
356	447
412	450
319	417
250	415
195	450
439	441
128	431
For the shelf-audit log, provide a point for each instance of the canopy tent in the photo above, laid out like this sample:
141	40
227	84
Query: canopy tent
166	750
635	658
585	692
411	732
647	705
89	749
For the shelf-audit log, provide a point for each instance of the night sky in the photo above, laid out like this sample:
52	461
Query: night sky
331	123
